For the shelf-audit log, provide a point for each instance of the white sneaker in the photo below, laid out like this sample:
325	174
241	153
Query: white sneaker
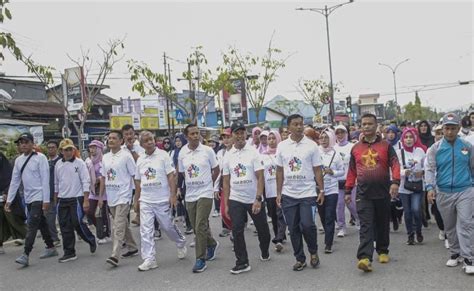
147	265
193	243
468	267
442	235
321	229
215	213
446	243
182	252
341	233
454	261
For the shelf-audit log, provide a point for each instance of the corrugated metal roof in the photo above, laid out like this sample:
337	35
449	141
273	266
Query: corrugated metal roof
104	100
36	108
21	122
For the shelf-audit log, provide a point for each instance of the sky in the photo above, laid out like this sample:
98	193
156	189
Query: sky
436	36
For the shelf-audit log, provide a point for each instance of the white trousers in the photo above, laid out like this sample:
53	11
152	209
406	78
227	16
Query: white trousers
160	211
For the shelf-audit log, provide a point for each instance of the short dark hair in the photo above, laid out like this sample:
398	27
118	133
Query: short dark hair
118	132
53	141
127	127
293	116
186	129
369	115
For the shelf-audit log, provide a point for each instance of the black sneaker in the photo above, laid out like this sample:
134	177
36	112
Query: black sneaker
395	225
411	239
189	230
299	266
419	237
67	258
224	233
93	246
314	261
264	257
328	250
113	261
130	254
240	269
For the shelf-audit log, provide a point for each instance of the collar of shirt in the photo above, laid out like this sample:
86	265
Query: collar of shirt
245	148
117	153
154	153
71	160
377	139
197	149
302	141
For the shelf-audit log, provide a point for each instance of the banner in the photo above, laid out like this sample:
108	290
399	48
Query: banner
149	122
116	122
75	85
9	133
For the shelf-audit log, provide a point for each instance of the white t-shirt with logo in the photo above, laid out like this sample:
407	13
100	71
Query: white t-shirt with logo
118	169
297	160
241	165
269	163
152	172
345	153
197	165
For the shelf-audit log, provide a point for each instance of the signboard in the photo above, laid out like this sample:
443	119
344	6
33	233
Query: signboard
117	121
75	88
136	121
9	133
84	136
151	110
149	122
162	122
179	115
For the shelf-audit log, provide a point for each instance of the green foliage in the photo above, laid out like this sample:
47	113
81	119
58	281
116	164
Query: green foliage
10	150
317	93
391	110
414	111
6	38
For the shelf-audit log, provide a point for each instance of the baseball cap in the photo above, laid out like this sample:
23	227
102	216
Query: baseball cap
66	143
451	118
25	136
237	125
265	133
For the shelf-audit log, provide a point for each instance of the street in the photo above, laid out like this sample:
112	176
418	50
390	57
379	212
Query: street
412	267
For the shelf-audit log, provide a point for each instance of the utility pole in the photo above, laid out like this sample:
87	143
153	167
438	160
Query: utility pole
167	97
171	105
326	11
394	71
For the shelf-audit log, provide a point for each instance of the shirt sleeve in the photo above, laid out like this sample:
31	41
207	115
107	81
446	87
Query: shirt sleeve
137	171
44	173
225	166
56	177
394	164
257	163
279	158
103	171
339	169
131	166
180	162
212	159
15	182
316	160
168	165
430	166
85	178
352	173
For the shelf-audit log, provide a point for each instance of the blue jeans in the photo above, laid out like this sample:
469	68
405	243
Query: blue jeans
412	208
299	215
327	213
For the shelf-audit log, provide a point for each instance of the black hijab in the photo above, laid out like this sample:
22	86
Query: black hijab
426	138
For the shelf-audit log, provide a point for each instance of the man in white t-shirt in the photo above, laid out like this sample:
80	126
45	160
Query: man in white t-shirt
200	168
131	145
118	168
298	166
242	173
155	188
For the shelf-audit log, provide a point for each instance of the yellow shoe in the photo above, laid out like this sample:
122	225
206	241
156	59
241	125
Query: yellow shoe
365	265
384	258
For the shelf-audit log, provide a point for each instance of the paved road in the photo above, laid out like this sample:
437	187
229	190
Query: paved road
412	268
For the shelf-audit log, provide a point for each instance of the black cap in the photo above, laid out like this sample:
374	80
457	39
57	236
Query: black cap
25	136
237	125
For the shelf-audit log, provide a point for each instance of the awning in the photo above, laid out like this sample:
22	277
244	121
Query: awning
20	122
36	108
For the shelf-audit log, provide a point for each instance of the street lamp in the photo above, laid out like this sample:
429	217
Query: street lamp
394	71
326	11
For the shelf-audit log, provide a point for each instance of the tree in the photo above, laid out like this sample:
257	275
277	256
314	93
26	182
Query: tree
391	110
257	72
211	82
111	55
6	38
316	93
414	111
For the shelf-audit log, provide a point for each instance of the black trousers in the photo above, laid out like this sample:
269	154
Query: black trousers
437	215
278	221
327	213
102	223
11	226
36	221
70	215
374	215
238	213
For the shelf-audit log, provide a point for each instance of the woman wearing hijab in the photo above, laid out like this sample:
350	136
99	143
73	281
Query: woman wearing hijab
392	135
255	139
179	142
412	160
100	221
343	148
262	148
424	131
333	168
274	212
167	145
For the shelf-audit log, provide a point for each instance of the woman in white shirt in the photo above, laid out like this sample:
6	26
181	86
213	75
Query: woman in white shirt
274	212
411	163
333	168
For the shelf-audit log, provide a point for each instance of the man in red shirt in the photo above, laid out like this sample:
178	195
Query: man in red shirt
374	164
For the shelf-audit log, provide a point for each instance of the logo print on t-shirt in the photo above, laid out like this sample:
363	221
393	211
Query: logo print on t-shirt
295	164
240	170
193	171
111	174
150	173
272	170
369	159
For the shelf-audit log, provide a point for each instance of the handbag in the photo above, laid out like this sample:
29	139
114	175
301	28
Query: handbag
415	186
18	205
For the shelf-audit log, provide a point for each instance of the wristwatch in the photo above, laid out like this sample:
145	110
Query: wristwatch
259	198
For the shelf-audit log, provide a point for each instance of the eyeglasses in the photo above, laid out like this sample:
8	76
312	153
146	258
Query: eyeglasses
68	149
166	142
